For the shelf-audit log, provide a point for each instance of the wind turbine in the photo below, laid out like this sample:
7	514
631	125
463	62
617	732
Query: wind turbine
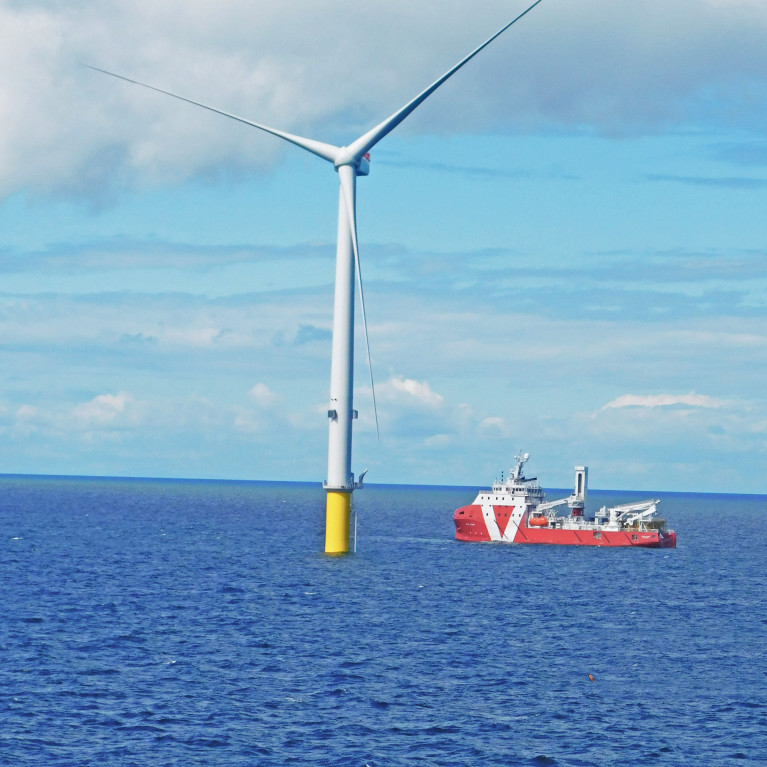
349	161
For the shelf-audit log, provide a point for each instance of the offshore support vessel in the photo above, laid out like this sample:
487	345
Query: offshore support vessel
515	511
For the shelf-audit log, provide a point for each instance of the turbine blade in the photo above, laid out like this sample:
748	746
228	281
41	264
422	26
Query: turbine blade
320	148
368	140
344	174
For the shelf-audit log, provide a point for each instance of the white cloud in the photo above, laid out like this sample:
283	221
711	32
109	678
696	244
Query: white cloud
410	393
26	412
103	410
665	400
203	337
156	326
316	68
247	421
438	441
493	425
182	393
262	395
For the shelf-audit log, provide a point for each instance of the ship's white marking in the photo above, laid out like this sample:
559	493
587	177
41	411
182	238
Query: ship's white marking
488	505
488	514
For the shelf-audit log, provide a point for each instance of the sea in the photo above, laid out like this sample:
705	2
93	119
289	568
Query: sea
176	623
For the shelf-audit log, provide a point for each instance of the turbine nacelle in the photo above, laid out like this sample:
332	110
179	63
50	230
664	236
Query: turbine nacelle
360	163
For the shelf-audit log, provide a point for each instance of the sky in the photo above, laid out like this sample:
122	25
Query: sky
563	249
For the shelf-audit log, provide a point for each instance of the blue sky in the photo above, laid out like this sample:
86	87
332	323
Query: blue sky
563	250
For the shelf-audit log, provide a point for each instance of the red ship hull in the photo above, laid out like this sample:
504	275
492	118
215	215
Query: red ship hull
472	525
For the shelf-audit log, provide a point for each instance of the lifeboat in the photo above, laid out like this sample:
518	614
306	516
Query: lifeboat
539	521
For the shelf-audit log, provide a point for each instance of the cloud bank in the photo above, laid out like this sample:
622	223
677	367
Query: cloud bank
318	68
665	400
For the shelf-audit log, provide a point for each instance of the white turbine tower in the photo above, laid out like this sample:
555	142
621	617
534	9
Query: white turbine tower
349	161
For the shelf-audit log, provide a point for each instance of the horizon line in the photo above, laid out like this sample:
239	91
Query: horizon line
318	483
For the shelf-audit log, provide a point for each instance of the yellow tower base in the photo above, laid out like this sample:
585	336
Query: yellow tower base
337	516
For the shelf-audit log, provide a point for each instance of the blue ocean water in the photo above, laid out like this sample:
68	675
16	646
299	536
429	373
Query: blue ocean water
198	623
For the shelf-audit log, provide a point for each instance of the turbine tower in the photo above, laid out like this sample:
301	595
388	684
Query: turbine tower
350	162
